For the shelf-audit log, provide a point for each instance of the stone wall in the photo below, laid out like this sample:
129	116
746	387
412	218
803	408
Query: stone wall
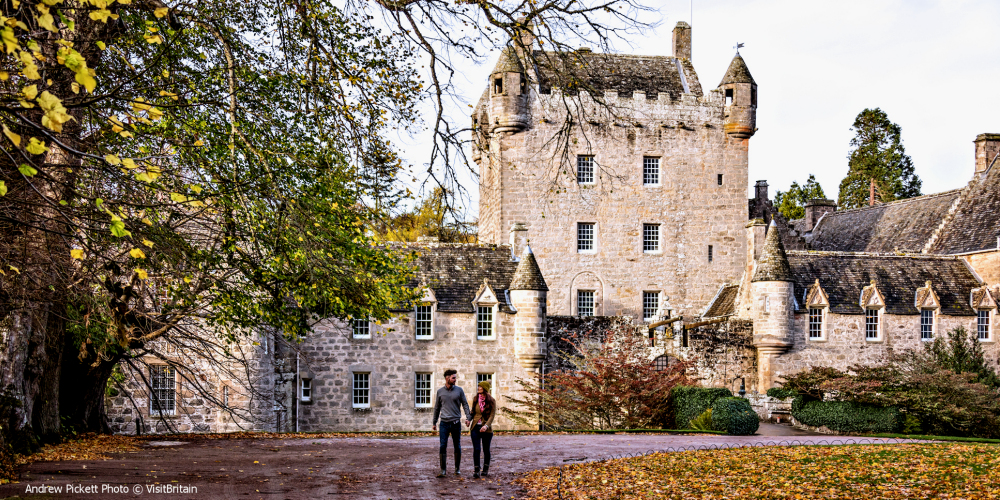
986	265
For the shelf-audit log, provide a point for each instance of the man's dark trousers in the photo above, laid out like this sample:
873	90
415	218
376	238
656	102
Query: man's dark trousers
455	430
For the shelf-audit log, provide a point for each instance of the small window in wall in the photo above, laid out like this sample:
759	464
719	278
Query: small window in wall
729	96
661	363
753	96
422	390
362	328
926	324
306	389
815	323
585	169
225	395
360	394
484	322
585	303
486	377
767	304
585	236
983	324
650	171
650	238
424	327
871	324
163	396
720	179
498	85
524	85
650	304
711	255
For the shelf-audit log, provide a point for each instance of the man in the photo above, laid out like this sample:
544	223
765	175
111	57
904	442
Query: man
446	405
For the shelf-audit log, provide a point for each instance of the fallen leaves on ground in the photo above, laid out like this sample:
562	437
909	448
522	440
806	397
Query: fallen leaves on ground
949	470
85	447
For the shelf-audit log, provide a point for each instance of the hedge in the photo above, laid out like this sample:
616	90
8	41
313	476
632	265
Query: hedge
845	416
689	402
781	393
735	416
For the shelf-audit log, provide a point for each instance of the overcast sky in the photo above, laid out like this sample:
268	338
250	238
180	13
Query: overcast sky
932	66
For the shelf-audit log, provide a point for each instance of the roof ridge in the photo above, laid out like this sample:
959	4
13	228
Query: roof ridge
896	202
834	253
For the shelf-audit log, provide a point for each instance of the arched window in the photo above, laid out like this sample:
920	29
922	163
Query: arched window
661	363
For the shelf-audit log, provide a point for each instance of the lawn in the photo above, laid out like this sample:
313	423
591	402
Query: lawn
951	470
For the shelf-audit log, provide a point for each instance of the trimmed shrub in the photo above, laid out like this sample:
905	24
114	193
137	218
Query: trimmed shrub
781	393
845	416
703	422
735	416
689	402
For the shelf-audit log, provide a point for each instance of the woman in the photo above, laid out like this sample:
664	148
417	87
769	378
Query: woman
483	409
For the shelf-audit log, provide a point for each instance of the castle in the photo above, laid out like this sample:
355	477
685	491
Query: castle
638	210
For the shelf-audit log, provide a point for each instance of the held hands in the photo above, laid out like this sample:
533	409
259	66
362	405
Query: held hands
467	422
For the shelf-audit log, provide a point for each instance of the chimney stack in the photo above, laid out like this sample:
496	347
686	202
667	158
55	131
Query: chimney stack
816	209
987	147
518	240
682	41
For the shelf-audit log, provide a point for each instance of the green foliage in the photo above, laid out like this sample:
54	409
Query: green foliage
781	393
961	352
735	416
911	425
702	422
688	402
792	203
846	416
877	154
432	218
809	383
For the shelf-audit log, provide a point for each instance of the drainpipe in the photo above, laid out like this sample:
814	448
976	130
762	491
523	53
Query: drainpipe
295	391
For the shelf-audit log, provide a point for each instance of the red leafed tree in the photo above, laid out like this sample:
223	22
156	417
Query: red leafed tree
611	383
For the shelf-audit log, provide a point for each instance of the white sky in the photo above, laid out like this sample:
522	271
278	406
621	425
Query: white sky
932	66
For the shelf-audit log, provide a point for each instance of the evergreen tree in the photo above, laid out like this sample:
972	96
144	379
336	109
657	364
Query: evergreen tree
792	203
877	156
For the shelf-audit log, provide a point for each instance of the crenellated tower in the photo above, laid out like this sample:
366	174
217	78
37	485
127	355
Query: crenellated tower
740	92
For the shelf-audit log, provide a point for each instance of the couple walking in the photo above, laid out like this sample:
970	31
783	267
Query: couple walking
446	405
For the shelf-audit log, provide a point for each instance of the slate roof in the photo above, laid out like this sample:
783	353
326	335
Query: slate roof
975	224
619	72
528	276
843	275
905	225
773	263
724	303
456	270
508	62
738	72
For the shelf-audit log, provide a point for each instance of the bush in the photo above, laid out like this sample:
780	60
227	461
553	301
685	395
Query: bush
781	393
703	422
735	416
689	402
845	416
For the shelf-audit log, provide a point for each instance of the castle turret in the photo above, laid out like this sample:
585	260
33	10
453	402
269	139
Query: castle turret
508	94
774	306
741	100
528	294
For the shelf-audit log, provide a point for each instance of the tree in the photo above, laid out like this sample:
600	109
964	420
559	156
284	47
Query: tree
877	160
430	218
612	383
792	203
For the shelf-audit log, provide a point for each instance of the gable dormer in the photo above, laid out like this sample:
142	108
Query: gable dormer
926	298
871	297
428	297
982	298
816	297
485	296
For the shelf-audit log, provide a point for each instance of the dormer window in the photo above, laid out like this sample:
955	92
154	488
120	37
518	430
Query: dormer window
983	324
486	306
873	302
872	324
498	85
927	302
423	316
729	97
927	324
984	304
818	304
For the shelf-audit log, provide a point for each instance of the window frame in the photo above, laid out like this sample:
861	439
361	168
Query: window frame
417	389
651	228
877	323
492	378
589	162
417	321
820	327
593	302
648	174
661	366
932	324
361	392
305	390
647	294
989	325
156	390
492	310
580	226
354	329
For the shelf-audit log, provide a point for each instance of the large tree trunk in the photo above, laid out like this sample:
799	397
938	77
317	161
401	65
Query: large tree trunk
30	371
81	393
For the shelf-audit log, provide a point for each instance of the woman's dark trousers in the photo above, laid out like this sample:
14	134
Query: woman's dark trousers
454	429
481	441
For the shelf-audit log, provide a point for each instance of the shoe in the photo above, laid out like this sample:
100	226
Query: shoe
475	474
457	472
442	473
486	471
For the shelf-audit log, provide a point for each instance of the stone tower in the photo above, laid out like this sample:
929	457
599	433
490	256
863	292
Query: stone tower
629	192
528	293
741	100
773	296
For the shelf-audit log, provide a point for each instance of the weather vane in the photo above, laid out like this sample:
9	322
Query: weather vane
738	47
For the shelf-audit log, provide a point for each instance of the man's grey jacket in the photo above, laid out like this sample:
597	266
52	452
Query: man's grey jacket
446	405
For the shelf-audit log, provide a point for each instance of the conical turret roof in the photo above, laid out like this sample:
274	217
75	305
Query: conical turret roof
773	264
528	276
508	62
738	72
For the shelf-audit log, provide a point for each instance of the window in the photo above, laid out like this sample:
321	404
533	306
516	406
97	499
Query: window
422	390
306	389
361	391
424	322
585	169
650	171
661	363
926	324
753	96
524	85
585	236
767	304
585	303
983	324
815	323
225	395
361	329
720	179
498	85
729	96
484	322
871	324
486	377
650	238
650	304
710	253
163	397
